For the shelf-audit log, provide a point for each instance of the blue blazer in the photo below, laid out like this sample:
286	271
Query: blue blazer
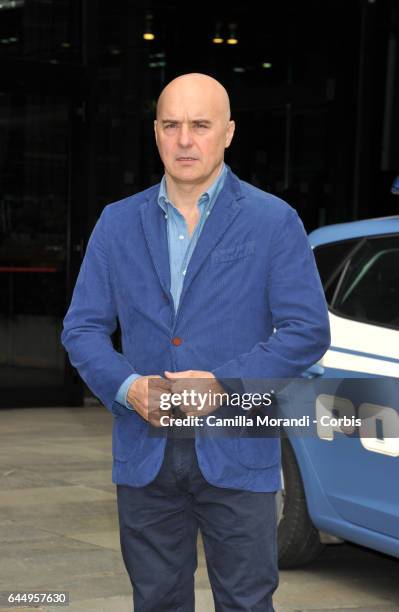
252	273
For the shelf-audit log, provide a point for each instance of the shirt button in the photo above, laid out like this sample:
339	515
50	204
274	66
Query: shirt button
181	237
184	272
177	341
166	216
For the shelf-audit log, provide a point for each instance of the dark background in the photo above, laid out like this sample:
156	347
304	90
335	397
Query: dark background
318	127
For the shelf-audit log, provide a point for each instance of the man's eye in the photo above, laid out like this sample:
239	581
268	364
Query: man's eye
201	125
168	126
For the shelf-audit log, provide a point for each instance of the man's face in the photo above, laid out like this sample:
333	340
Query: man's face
192	131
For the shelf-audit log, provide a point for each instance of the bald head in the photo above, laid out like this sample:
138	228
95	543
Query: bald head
196	87
192	130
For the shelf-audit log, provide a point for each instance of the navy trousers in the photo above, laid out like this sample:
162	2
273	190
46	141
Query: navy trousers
158	531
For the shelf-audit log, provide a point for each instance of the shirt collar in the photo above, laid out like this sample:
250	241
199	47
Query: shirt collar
208	197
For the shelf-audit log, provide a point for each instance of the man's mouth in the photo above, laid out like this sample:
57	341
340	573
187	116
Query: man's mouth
185	158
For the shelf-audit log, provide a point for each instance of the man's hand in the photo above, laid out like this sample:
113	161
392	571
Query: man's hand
201	382
145	397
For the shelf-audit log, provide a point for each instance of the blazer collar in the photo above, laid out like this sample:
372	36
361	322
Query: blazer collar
224	211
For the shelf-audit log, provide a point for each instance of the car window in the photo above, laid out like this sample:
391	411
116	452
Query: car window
369	290
330	260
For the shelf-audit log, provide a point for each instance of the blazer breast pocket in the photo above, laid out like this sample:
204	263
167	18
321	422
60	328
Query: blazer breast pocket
239	251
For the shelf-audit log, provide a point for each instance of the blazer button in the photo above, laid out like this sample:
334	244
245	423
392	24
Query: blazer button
165	297
177	341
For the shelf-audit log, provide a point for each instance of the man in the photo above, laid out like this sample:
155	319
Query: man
211	280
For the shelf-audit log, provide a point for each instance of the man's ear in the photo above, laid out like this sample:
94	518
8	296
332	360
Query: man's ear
230	133
155	130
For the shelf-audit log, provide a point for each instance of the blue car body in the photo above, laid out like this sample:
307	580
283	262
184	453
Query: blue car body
351	475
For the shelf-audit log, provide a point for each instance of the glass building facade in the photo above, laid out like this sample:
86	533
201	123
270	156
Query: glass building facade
315	94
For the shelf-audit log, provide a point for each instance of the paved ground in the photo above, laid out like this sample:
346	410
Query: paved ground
58	527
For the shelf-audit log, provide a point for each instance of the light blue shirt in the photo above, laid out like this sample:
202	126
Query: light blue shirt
181	247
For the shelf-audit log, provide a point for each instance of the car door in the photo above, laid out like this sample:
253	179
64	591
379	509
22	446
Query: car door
358	466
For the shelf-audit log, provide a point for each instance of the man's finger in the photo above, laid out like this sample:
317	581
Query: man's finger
176	375
159	383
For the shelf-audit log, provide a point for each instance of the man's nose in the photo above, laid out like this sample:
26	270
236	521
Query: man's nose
185	138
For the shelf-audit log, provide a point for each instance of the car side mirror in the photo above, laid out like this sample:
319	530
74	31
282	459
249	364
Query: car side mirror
395	186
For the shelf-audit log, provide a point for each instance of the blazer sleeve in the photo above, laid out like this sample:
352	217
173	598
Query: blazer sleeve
298	308
92	319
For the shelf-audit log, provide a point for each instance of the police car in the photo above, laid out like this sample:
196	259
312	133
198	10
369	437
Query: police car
342	481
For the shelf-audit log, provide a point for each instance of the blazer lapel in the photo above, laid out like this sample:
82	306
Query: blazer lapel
155	231
223	213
